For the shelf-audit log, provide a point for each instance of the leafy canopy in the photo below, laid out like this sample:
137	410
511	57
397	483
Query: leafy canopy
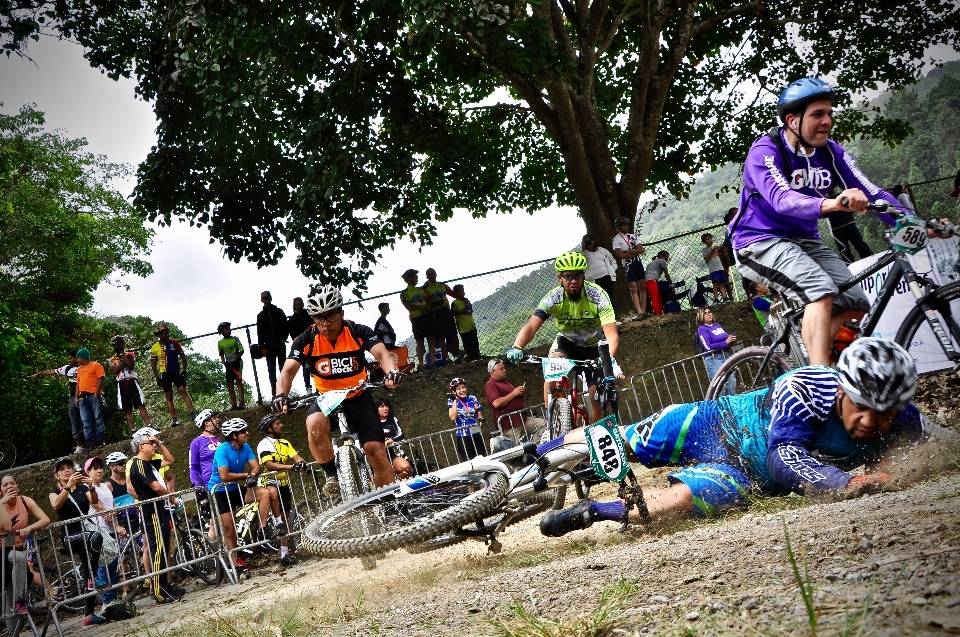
341	127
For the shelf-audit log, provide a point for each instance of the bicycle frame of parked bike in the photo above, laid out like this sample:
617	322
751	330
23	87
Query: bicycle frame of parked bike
930	300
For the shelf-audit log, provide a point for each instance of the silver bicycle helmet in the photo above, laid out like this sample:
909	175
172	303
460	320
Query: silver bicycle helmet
233	426
203	417
146	431
115	457
877	373
323	300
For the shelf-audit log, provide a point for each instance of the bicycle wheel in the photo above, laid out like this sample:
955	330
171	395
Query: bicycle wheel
402	519
737	374
352	484
67	586
561	417
195	546
940	302
536	503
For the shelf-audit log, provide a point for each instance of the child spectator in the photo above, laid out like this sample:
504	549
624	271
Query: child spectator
392	433
760	299
231	354
129	392
90	377
711	254
466	412
462	310
655	269
715	342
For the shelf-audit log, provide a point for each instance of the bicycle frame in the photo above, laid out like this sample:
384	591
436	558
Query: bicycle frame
901	271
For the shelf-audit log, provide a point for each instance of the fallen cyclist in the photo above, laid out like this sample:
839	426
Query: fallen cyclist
804	436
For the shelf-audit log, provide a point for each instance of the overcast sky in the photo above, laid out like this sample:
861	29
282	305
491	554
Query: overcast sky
193	285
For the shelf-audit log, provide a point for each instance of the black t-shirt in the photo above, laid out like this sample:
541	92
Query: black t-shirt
70	509
141	475
385	331
118	489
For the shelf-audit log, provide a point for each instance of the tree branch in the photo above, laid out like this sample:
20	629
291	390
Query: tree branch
709	23
519	107
624	15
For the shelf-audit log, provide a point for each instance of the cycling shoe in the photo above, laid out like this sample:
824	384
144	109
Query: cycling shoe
557	523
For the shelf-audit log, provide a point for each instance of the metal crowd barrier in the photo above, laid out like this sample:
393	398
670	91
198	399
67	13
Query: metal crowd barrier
440	449
517	432
17	559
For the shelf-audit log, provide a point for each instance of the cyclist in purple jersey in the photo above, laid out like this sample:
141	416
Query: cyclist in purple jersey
203	447
789	179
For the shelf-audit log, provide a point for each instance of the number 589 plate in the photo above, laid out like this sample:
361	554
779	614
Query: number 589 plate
909	235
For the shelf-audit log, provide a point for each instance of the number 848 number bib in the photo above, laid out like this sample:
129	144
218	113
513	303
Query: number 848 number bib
607	452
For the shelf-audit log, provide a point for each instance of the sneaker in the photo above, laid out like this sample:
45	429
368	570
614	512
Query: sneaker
174	590
557	523
20	607
241	567
289	559
331	488
174	422
167	599
242	406
93	620
79	449
281	528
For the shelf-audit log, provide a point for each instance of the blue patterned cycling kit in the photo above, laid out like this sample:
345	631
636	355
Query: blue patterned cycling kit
771	441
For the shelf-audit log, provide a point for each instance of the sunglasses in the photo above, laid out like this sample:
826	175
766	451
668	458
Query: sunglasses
326	318
572	276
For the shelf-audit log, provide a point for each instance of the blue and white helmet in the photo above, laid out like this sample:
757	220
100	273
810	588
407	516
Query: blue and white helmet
878	374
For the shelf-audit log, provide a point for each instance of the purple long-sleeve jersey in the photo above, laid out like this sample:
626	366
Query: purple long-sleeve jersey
201	459
712	337
788	205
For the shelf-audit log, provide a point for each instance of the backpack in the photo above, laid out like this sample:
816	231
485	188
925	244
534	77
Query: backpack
119	611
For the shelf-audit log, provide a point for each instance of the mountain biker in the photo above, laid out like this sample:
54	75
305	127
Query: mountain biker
583	313
277	454
788	177
229	462
804	435
333	349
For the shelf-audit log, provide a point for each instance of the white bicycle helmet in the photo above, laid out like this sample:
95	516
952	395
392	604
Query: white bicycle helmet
877	373
233	426
203	417
146	431
323	300
115	457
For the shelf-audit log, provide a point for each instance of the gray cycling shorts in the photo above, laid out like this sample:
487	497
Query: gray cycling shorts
805	270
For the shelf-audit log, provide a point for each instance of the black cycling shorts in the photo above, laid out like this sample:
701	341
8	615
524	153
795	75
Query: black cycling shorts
229	500
286	498
169	380
579	353
362	417
422	326
129	394
233	371
443	324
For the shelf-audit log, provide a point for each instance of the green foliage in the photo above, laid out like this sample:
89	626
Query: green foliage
63	231
285	123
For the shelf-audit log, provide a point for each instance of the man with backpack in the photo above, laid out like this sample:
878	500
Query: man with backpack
788	177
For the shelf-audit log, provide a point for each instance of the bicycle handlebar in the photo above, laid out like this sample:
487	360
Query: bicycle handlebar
306	401
945	228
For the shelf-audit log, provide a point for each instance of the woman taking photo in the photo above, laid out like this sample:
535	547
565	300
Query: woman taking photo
72	498
715	342
465	411
15	516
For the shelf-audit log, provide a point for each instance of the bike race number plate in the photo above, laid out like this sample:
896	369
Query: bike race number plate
556	368
607	452
331	400
909	235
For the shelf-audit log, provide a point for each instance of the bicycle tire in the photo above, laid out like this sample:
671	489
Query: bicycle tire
537	503
940	302
351	486
196	545
408	519
561	417
68	586
743	367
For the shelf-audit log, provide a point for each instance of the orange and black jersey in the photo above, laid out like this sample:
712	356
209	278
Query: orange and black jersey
335	365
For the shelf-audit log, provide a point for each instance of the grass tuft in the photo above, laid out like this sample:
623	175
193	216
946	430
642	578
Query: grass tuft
803	580
599	622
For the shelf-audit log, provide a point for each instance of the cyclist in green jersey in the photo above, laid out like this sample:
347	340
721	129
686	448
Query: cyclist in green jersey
583	313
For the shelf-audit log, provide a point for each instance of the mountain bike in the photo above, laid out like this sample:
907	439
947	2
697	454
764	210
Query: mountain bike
759	367
353	473
441	507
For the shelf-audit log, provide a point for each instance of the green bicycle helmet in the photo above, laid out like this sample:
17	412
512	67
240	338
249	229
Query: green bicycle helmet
570	261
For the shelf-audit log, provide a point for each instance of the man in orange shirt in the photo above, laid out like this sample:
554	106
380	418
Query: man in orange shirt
90	377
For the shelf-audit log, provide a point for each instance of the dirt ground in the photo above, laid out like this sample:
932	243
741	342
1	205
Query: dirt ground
882	564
